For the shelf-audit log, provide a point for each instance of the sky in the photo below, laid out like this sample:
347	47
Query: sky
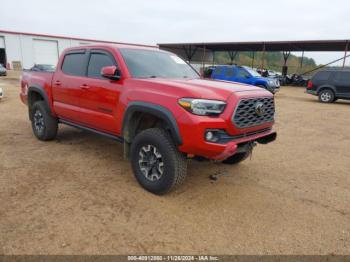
167	21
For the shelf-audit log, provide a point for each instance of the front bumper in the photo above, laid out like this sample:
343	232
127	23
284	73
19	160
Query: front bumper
234	147
193	130
194	142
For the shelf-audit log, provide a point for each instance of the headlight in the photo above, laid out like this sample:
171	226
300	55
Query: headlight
202	107
272	82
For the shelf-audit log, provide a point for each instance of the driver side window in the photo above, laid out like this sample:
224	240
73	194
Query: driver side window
229	72
242	73
96	62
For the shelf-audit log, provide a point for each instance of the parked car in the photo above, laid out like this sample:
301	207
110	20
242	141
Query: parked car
296	80
43	68
330	85
154	103
246	75
267	73
274	73
3	71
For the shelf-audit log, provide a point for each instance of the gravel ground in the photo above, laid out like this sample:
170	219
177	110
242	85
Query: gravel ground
76	195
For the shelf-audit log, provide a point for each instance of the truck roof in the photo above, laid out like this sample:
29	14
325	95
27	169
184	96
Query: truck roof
115	46
336	70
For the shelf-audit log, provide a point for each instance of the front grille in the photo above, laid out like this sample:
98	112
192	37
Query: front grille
246	114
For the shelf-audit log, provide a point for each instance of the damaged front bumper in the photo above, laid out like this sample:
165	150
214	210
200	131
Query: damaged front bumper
244	145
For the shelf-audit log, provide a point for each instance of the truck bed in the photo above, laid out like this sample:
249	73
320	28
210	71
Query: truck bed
34	78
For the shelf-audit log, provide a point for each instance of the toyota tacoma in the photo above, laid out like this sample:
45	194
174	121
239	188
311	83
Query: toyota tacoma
154	103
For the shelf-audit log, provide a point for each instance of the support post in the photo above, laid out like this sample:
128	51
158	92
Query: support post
203	58
213	58
232	55
345	52
253	60
285	58
301	61
263	57
189	52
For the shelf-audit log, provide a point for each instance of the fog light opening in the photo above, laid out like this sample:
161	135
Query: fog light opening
211	136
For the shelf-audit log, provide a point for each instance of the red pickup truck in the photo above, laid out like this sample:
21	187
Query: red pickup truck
154	103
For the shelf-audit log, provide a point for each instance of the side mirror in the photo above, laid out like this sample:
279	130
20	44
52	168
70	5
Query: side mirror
110	72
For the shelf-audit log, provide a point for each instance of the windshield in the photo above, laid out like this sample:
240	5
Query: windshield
252	72
150	63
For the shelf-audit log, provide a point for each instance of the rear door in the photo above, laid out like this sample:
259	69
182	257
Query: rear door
219	73
342	83
100	95
67	85
321	78
230	74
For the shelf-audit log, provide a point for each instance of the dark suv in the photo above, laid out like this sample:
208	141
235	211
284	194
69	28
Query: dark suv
330	85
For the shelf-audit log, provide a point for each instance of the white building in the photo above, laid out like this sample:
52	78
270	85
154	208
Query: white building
23	50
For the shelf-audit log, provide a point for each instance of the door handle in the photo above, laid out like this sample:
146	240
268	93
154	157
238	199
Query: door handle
58	83
84	86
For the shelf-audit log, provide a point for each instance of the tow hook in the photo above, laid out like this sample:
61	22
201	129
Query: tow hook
251	146
247	147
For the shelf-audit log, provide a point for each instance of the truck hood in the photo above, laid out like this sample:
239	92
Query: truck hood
203	88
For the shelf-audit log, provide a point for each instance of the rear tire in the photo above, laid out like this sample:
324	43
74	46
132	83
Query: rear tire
157	164
43	124
326	96
237	158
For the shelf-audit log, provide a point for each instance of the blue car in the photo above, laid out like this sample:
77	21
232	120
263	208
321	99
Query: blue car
246	75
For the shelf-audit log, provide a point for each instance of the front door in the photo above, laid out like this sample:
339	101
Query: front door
100	95
242	76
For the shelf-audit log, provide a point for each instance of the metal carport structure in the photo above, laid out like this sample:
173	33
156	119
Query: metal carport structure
199	51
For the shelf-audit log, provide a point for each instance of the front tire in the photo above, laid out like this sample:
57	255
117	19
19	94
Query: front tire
326	96
157	164
43	124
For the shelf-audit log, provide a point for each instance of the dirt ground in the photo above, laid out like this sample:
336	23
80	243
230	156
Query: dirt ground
77	195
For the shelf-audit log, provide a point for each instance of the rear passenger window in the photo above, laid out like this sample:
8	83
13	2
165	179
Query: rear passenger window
97	61
343	77
218	71
322	76
229	72
74	64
